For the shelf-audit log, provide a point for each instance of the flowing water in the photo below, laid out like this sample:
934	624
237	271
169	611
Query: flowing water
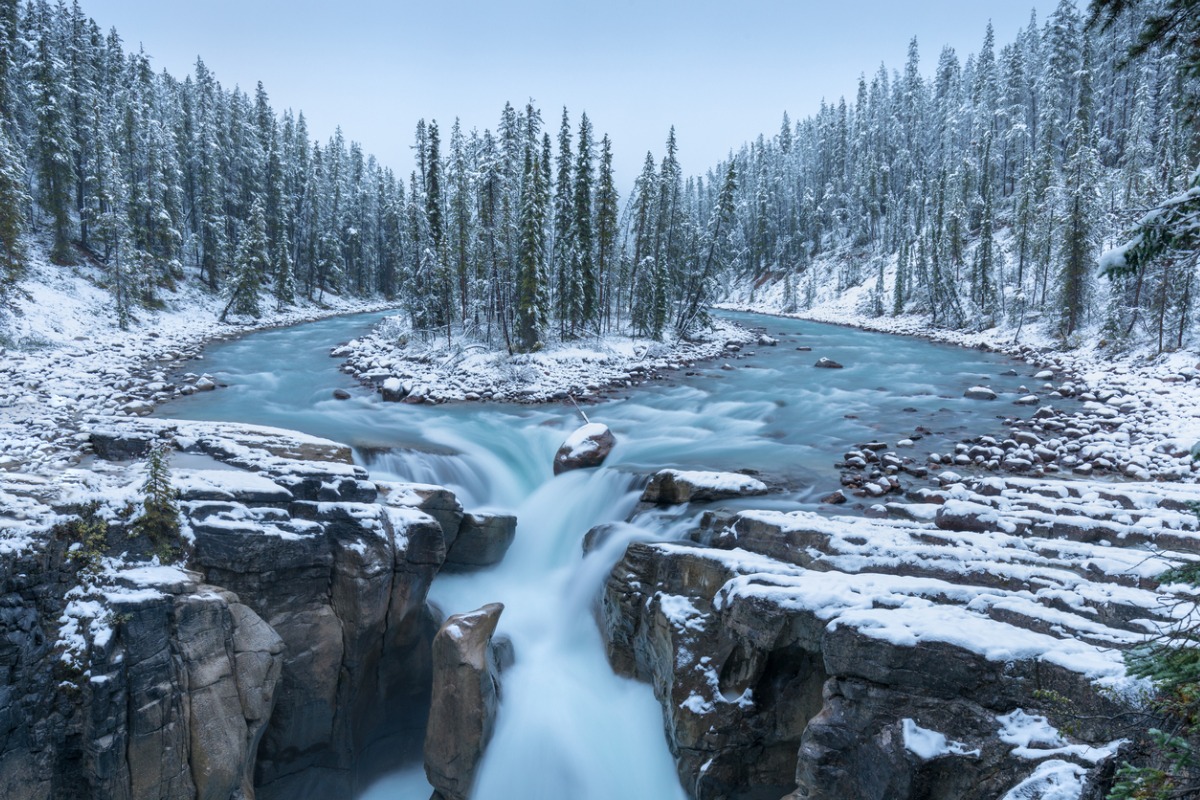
569	727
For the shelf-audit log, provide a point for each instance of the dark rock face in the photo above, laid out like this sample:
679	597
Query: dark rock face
465	698
586	447
294	662
841	658
482	540
165	695
855	748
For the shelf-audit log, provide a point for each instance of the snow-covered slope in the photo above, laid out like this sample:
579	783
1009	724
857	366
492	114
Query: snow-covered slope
63	356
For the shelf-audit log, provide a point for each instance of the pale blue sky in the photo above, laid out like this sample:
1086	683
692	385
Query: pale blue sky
721	72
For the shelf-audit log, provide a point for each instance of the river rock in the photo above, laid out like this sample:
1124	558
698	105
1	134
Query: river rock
465	698
673	486
827	363
482	540
588	446
341	394
394	390
979	393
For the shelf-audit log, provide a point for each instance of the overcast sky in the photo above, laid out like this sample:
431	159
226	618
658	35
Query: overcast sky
721	72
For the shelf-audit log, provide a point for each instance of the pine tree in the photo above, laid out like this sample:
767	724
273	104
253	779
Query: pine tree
12	219
284	282
645	204
532	281
563	260
583	270
1079	239
607	224
159	518
251	265
53	136
106	206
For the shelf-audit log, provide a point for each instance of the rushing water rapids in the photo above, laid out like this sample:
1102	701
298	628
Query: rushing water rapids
567	725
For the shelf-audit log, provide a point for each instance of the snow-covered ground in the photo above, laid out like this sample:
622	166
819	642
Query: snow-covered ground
435	371
62	356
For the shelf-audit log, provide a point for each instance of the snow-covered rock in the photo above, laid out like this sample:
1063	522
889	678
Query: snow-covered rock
1024	590
674	486
979	393
588	446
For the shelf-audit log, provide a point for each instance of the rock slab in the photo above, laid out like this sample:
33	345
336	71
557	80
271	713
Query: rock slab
465	699
674	486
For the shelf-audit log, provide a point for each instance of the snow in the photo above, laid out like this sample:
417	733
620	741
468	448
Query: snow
723	482
583	440
1052	780
62	356
226	484
1035	738
928	744
680	612
468	370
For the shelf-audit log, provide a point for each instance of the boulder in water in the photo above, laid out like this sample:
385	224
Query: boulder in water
675	486
482	540
979	393
465	696
588	446
341	394
827	363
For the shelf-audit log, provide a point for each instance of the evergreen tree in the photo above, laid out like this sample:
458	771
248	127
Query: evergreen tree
251	265
607	223
53	136
583	309
1079	240
532	281
159	517
563	260
12	219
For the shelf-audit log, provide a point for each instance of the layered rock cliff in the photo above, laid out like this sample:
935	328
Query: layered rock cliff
825	657
290	658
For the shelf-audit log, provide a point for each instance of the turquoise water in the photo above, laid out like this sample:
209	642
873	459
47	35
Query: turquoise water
569	727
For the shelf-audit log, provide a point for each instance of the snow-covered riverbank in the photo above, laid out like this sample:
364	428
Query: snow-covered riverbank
62	357
1133	412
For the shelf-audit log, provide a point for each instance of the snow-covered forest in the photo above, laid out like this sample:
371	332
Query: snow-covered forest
161	179
984	191
979	193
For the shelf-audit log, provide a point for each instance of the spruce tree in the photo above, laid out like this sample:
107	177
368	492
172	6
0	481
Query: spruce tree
1079	239
13	200
251	265
532	282
583	270
607	225
159	517
53	136
563	260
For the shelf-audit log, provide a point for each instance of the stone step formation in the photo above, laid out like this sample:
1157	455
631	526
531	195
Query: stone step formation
795	653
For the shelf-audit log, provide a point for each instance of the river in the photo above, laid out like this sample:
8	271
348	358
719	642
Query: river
569	727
